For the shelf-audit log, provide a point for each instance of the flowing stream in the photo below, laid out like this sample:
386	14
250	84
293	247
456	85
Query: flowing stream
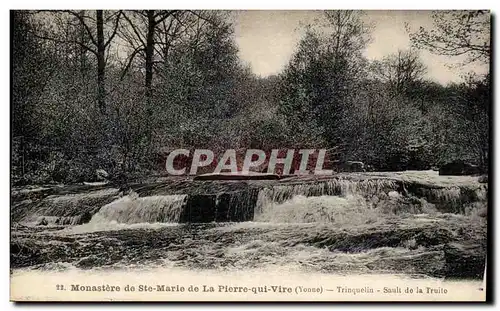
375	224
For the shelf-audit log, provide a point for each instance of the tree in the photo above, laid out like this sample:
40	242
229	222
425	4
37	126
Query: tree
472	100
202	83
140	35
323	75
401	70
457	33
32	69
96	43
465	33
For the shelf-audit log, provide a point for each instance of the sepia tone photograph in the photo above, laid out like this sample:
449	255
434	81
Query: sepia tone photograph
249	155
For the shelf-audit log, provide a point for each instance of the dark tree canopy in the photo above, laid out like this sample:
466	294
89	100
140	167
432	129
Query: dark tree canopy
117	90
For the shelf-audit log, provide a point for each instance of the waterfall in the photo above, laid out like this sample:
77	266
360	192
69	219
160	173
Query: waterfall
67	209
180	208
132	209
335	187
361	201
318	209
339	186
455	199
335	200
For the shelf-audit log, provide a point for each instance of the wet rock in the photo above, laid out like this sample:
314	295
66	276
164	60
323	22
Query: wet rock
465	260
371	238
369	168
24	253
459	167
199	209
90	262
483	179
428	263
84	218
482	212
356	166
18	248
394	194
101	175
227	207
65	205
350	166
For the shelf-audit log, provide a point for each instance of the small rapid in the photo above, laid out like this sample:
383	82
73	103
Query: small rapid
132	209
358	224
335	200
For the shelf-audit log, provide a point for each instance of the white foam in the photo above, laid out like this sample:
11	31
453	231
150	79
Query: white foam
131	209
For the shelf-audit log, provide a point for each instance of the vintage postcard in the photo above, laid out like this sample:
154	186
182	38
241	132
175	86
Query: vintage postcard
249	155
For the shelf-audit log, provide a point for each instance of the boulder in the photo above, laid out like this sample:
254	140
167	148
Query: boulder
350	166
458	168
465	260
483	179
101	175
43	222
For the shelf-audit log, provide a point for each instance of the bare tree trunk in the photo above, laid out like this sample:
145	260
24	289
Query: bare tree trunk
149	55
83	51
101	62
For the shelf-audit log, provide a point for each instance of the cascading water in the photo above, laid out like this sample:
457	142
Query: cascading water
67	209
336	187
340	199
357	202
317	209
132	209
354	224
455	199
332	201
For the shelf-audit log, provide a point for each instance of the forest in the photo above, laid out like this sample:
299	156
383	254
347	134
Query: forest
117	90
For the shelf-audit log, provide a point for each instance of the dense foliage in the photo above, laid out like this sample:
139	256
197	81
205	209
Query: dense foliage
117	90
